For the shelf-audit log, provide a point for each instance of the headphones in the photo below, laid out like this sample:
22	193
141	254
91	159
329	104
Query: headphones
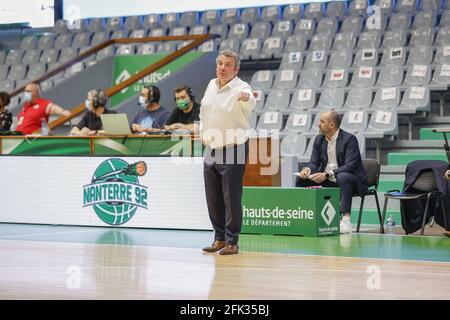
188	91
99	99
152	97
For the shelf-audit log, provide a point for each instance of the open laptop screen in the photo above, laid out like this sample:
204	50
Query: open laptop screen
115	124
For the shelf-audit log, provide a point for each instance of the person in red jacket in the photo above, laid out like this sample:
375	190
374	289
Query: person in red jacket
34	109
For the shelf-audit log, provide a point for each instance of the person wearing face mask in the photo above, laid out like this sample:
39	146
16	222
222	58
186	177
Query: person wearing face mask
35	108
91	123
187	111
154	117
5	115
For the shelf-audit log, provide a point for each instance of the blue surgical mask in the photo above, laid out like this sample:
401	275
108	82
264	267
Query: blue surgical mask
142	101
27	96
87	103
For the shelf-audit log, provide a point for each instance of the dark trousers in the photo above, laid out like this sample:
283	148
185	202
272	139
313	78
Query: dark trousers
223	171
345	181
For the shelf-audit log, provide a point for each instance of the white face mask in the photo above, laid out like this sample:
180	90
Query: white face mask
142	101
27	96
87	103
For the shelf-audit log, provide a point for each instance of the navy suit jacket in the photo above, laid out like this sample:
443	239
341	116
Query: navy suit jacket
348	158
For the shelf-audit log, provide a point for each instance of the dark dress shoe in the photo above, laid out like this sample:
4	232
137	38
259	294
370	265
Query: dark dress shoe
229	249
216	246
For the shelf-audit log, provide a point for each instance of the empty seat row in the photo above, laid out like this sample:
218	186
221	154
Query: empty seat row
320	47
321	59
21	71
345	41
336	9
409	101
355	25
278	27
271	48
33	56
83	39
389	76
377	125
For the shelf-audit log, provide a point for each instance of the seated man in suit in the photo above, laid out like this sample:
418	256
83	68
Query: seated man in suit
335	162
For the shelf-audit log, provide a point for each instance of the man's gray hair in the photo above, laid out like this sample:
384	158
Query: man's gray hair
230	54
336	118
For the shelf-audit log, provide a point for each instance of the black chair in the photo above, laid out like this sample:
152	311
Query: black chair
426	186
372	167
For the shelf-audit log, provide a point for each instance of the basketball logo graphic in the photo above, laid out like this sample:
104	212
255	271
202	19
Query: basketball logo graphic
115	192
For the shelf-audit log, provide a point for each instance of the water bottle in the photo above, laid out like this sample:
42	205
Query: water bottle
390	225
44	127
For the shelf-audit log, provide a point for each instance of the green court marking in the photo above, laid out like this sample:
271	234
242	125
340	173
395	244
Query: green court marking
425	248
355	245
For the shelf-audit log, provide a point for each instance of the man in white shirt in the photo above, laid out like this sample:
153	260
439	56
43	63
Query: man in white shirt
225	116
336	162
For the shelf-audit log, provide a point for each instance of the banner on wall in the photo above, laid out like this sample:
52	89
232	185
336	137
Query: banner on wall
36	13
127	66
149	192
119	192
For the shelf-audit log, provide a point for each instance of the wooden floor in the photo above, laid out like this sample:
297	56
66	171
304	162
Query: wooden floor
62	270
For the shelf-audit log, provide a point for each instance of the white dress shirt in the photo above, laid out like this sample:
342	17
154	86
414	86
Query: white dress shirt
332	157
224	121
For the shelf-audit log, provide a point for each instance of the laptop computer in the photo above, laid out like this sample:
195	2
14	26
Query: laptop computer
115	124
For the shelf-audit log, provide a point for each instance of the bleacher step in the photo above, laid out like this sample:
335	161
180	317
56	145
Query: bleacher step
387	185
428	134
400	169
432	120
403	158
419	144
